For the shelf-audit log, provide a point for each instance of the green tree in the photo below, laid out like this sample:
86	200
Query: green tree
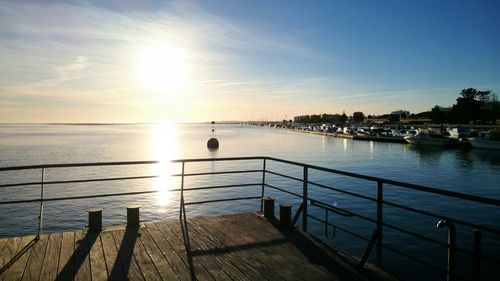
343	118
469	93
358	117
438	116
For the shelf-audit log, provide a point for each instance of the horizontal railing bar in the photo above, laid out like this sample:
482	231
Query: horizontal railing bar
456	221
339	227
384	246
490	259
283	190
343	191
285	176
77	181
128	193
79	197
121	163
335	209
324	205
464	196
222	200
222	186
218	173
332	209
72	165
123	178
413	258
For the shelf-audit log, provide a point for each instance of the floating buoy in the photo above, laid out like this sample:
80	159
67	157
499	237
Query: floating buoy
213	143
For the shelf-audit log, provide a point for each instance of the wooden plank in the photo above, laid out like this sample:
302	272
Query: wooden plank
173	258
9	250
82	259
97	261
144	261
271	261
50	262
113	265
16	270
211	247
66	266
126	255
36	258
159	260
284	253
207	262
3	242
247	261
197	270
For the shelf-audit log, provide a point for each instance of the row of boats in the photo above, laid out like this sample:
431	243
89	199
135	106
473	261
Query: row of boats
477	139
451	137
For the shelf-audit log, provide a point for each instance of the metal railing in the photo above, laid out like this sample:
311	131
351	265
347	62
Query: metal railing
307	202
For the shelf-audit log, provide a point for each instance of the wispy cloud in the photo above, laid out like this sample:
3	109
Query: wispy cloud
84	52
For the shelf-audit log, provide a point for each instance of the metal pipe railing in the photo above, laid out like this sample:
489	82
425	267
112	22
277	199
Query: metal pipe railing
306	200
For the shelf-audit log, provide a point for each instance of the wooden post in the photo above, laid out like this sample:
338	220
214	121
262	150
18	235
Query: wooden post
268	207
477	254
286	215
380	220
133	216
305	198
95	219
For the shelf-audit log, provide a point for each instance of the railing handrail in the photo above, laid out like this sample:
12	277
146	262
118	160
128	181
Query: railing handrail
459	195
455	194
118	163
306	199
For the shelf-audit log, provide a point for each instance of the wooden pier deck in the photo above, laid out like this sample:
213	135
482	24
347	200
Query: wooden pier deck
232	247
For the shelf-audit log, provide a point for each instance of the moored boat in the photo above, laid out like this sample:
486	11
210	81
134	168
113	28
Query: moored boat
486	140
429	137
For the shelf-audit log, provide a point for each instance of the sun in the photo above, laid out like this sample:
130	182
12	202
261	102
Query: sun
162	68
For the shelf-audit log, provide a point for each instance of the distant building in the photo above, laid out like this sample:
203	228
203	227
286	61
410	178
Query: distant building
381	119
444	108
401	113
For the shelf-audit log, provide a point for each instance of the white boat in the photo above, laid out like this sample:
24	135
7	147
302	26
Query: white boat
486	140
459	133
428	137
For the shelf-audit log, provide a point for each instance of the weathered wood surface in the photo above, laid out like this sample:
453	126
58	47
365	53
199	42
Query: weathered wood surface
232	247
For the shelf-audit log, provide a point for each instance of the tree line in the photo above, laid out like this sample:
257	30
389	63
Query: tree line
481	107
472	106
357	117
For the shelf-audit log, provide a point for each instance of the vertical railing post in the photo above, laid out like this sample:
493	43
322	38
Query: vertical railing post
380	220
304	199
452	247
182	192
263	185
40	215
477	255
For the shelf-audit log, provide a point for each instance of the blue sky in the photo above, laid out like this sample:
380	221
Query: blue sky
82	61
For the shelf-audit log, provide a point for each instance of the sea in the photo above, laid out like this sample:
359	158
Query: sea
468	171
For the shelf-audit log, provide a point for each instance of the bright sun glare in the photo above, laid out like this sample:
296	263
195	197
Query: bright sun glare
164	148
162	68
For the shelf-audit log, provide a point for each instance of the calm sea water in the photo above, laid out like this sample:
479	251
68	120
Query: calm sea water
468	171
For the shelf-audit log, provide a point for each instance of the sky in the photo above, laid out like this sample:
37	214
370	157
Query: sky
190	61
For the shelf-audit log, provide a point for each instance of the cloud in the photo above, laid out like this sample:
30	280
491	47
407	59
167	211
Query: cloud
66	50
71	70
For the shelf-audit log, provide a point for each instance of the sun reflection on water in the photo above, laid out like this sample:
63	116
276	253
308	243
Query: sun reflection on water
164	149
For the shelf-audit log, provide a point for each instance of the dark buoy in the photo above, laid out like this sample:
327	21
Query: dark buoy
213	143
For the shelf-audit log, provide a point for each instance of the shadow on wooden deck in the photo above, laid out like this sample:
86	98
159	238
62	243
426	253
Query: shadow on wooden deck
232	247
